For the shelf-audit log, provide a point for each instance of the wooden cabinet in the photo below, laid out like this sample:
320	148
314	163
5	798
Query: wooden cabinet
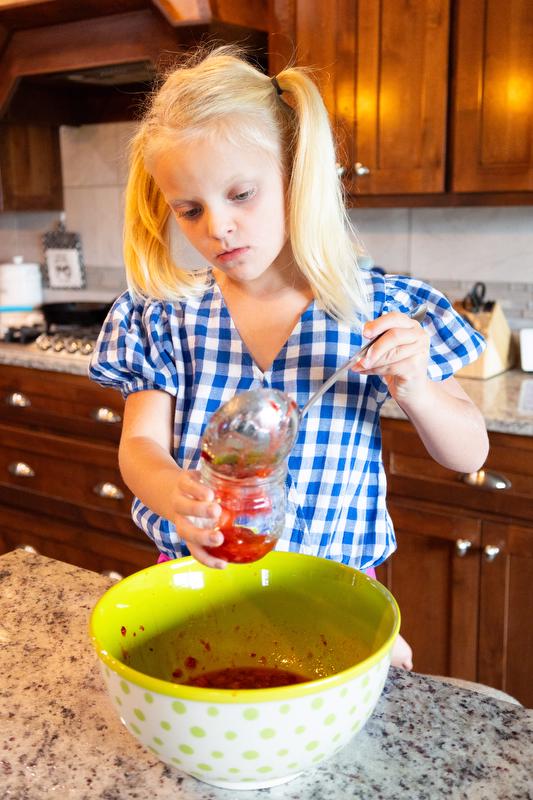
30	168
431	100
492	114
464	565
60	487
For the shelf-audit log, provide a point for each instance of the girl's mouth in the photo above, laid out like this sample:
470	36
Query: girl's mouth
231	255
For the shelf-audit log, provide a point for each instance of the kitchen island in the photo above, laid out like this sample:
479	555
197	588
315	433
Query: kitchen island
61	738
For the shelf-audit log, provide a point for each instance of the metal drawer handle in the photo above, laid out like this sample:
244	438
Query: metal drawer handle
486	479
360	169
21	470
27	549
106	415
109	491
18	400
490	552
112	574
462	546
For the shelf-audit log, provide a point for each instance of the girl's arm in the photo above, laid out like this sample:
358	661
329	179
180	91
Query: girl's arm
147	466
449	424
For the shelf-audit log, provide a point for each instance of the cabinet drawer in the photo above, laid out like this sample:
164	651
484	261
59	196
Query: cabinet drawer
75	544
72	470
61	403
411	472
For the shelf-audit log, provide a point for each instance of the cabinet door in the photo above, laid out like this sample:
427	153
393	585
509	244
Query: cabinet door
30	168
436	584
506	610
493	96
384	73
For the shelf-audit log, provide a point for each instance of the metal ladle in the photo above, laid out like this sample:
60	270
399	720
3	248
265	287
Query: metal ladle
254	431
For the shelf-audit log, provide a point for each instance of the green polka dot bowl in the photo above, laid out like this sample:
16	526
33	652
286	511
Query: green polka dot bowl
167	625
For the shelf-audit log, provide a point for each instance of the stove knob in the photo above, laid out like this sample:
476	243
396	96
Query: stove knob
43	342
87	347
72	345
58	344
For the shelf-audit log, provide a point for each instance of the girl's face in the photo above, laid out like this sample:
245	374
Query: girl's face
229	201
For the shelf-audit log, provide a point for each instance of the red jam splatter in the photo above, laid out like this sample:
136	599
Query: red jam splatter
191	662
205	645
178	673
141	627
123	630
246	678
275	405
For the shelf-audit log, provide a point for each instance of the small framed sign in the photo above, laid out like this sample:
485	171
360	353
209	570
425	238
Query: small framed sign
63	259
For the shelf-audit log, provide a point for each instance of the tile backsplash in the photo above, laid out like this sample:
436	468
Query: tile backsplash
449	247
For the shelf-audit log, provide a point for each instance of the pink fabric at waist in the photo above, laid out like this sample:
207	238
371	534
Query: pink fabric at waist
370	572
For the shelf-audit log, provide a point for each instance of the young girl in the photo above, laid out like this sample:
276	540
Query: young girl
246	166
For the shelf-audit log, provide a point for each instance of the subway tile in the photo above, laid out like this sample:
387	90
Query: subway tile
487	244
384	233
89	155
95	213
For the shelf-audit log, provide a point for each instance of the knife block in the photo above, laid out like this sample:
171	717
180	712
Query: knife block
499	354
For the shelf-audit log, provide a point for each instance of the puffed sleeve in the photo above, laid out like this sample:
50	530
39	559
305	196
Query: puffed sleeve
453	341
136	348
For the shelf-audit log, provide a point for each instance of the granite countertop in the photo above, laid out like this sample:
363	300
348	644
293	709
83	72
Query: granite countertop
427	739
499	398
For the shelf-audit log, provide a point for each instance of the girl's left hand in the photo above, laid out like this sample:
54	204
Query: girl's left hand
400	356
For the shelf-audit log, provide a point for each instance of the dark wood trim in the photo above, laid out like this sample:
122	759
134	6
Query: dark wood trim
443	200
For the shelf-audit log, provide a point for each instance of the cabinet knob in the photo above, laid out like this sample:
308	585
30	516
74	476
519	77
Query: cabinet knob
106	415
18	400
462	546
360	169
112	574
490	551
27	548
487	479
21	469
109	491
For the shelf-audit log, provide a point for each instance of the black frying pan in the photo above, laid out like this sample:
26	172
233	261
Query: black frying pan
83	314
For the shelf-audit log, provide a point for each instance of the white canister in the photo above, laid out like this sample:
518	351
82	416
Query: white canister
21	286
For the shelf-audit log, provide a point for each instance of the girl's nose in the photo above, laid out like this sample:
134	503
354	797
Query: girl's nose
219	224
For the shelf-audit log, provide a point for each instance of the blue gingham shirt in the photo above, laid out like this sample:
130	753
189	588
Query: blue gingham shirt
336	483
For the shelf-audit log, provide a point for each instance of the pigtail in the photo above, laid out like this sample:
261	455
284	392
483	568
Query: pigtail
323	241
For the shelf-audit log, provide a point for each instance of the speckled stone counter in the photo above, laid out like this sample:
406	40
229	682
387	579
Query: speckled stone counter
29	355
60	736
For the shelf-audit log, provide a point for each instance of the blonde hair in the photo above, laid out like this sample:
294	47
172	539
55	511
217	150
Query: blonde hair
207	94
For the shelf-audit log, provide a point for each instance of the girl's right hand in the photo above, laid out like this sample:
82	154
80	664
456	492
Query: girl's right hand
191	498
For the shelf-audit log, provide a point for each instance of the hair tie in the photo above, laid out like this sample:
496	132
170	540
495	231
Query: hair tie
276	85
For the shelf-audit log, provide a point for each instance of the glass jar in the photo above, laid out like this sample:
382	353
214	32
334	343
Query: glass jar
253	513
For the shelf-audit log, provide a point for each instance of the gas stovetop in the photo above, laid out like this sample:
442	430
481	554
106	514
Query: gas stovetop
56	338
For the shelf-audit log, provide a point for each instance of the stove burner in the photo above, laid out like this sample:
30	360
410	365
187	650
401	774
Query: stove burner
23	335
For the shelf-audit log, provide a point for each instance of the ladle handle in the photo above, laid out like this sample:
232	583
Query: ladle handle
418	314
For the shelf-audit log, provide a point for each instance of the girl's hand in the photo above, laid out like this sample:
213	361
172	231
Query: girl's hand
190	498
400	356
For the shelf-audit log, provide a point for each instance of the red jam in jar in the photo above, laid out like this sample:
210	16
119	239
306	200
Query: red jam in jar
253	513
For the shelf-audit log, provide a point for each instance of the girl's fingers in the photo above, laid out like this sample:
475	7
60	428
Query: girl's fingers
407	367
193	508
394	346
394	319
190	484
204	557
203	537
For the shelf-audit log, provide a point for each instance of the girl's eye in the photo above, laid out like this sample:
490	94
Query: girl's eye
244	195
189	213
